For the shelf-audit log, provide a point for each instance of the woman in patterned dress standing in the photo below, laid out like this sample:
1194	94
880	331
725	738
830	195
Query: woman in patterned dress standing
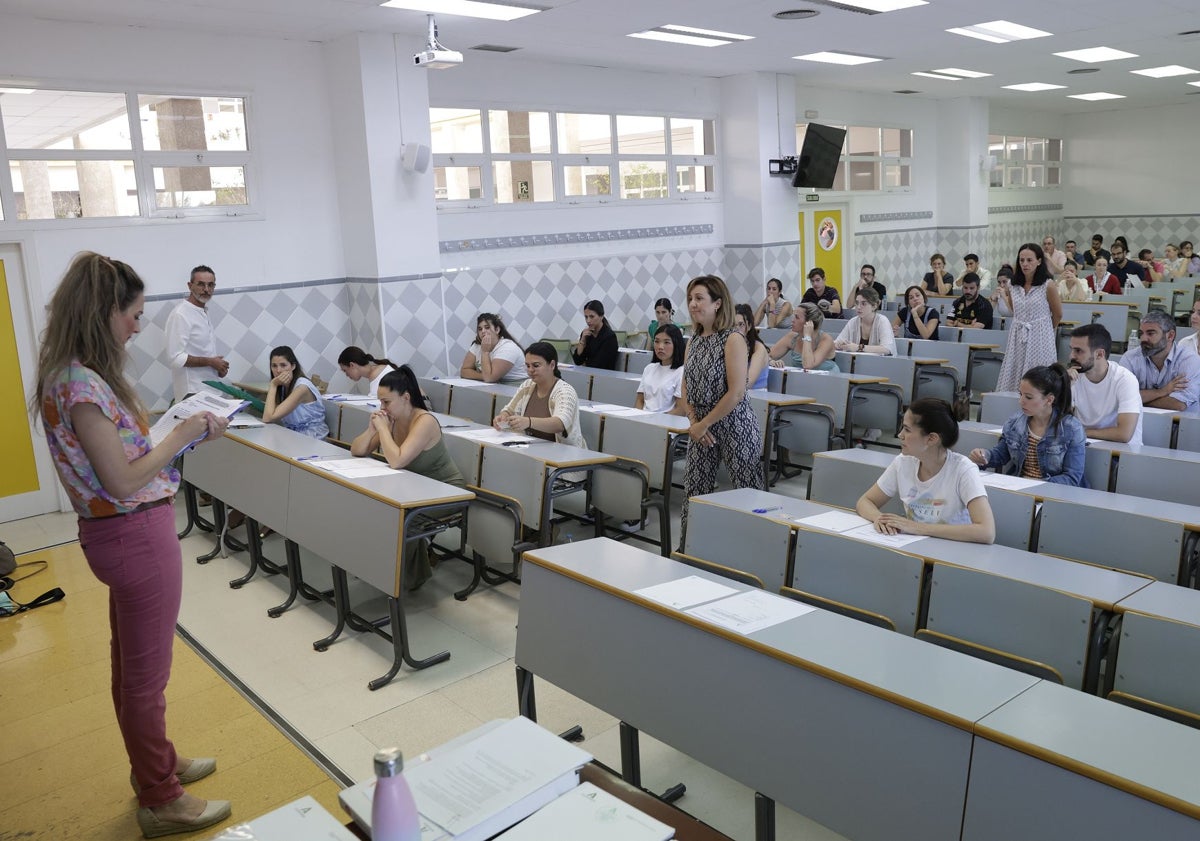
723	426
1037	310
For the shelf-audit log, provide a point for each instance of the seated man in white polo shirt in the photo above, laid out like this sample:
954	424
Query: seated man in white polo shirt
1106	397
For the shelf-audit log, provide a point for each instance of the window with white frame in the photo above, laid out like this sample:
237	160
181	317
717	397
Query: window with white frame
874	159
1021	161
101	154
509	157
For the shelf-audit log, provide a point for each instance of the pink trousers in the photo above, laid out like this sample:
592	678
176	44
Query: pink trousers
139	558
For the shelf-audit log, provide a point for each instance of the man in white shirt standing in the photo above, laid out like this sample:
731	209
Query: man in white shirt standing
1107	399
191	343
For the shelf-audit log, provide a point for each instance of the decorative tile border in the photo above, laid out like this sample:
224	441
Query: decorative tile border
570	238
1025	208
895	217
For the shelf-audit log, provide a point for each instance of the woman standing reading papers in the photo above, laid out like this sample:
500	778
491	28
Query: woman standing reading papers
941	490
1036	310
122	489
714	391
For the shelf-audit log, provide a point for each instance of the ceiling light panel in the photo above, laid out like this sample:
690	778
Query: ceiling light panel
1095	97
1000	31
962	74
679	38
466	8
1164	72
710	33
881	5
929	74
1034	86
1096	54
837	58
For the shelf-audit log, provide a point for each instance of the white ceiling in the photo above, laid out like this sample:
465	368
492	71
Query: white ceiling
593	32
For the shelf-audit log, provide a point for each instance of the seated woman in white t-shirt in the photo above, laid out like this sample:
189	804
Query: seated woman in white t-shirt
941	490
358	365
662	380
494	355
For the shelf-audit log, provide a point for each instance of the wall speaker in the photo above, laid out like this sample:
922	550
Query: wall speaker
414	157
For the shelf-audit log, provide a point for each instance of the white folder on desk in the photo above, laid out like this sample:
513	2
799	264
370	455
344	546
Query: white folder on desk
587	813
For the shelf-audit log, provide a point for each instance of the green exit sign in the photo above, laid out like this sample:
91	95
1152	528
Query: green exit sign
812	197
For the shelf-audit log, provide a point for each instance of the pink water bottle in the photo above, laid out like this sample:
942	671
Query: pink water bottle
393	811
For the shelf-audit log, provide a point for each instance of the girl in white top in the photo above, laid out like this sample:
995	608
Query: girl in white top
662	381
941	490
867	332
357	364
494	356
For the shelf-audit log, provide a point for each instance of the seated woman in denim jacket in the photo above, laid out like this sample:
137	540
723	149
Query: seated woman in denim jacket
1044	440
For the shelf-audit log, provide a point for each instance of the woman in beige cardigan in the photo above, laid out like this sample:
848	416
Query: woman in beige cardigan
545	405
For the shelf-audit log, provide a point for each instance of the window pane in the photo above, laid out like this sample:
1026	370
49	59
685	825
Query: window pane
199	186
74	189
455	130
692	137
641	135
1015	147
694	179
891	143
1053	150
522	182
864	176
193	123
456	183
520	132
996	177
587	180
862	141
1035	176
801	130
643	179
1053	176
1016	177
584	134
996	145
906	143
65	120
896	175
1035	149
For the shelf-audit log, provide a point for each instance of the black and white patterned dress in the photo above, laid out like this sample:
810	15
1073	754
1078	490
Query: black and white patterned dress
738	442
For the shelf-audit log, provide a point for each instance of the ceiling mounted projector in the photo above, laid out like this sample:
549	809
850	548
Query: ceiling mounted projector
435	56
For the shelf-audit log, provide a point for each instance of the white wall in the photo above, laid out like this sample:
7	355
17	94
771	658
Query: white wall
1140	162
297	235
510	82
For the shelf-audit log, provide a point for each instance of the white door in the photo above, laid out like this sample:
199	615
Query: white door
27	482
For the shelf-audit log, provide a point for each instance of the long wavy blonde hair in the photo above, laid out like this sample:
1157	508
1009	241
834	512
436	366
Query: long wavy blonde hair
79	326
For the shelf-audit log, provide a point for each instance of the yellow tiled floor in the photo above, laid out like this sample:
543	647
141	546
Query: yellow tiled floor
63	770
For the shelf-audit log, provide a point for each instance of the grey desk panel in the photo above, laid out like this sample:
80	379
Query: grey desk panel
507	471
1170	475
244	478
995	407
1013	513
1013	616
1158	428
957	354
1146	764
1156	661
980	336
580	379
437	391
830	389
633	360
860	574
840	477
901	370
1189	433
908	766
1112	536
355	418
333	418
975	435
1169	601
764	402
617	390
473	403
1114	316
1102	587
741	540
644	440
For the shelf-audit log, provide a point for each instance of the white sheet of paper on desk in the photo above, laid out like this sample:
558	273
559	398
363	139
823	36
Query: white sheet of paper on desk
463	381
834	521
869	534
354	468
1012	483
685	592
492	436
352	398
751	611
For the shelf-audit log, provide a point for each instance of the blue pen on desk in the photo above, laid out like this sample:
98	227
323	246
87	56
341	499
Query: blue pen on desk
766	510
307	458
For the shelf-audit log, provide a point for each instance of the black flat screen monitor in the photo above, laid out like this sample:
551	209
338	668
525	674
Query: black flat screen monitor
818	160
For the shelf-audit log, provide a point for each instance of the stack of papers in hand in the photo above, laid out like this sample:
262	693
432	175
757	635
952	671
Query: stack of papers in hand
586	813
201	401
484	783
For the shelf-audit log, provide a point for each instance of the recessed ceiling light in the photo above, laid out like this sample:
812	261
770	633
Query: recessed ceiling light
466	8
929	74
1034	86
830	57
1079	71
1164	72
690	35
962	74
1095	54
912	91
1095	97
796	14
999	31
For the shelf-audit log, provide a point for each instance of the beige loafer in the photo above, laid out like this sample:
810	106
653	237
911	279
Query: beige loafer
153	826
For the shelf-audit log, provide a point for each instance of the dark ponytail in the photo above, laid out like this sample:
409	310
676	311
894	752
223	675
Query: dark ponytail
403	381
1052	381
354	355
